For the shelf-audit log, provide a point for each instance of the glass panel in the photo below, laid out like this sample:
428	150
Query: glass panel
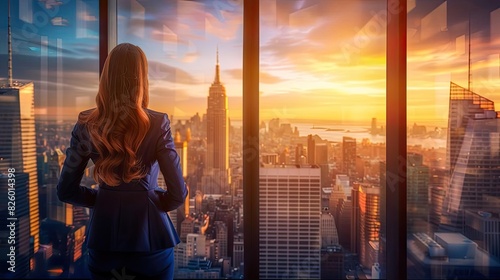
453	140
55	76
194	50
322	145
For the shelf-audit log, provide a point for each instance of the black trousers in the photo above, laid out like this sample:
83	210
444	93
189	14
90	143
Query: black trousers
155	265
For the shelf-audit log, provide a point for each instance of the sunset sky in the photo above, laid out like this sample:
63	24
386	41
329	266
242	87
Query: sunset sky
319	60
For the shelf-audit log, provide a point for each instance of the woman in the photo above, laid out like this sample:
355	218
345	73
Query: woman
129	231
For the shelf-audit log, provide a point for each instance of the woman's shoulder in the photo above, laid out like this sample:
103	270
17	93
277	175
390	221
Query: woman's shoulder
158	116
156	113
83	115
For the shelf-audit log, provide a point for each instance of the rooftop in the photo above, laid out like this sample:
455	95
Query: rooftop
453	238
15	84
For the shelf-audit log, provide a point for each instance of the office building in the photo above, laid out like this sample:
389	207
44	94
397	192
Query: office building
238	252
473	155
221	237
290	217
20	231
226	216
449	255
343	215
18	145
321	154
329	235
311	149
349	158
181	146
337	194
484	229
366	217
56	209
417	193
198	268
437	183
332	262
300	154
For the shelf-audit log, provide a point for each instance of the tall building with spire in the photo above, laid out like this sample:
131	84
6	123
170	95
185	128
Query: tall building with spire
217	124
217	176
473	155
17	142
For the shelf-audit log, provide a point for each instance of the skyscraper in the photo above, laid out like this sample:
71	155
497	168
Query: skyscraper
349	157
343	216
473	155
17	139
417	185
311	149
290	215
321	154
368	218
221	239
20	232
56	209
226	216
18	145
182	147
217	165
329	235
217	124
300	154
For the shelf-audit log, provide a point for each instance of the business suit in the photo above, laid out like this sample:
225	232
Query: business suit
130	217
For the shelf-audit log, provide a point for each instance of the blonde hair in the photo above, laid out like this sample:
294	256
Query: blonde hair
120	122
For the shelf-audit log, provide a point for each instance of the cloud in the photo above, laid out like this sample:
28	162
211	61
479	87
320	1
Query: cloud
187	20
84	15
59	21
50	4
164	72
264	77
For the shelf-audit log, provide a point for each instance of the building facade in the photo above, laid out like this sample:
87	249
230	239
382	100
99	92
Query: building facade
18	145
473	155
290	210
349	157
217	161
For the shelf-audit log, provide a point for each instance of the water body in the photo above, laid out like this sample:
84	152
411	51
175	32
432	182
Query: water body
335	133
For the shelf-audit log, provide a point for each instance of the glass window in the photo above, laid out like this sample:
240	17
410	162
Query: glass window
322	113
194	50
55	74
453	139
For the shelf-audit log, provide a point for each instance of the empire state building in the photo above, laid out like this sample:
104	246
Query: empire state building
217	163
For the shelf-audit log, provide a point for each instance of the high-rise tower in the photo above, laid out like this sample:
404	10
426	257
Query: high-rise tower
473	155
217	124
217	164
417	185
18	145
367	219
349	157
290	222
17	138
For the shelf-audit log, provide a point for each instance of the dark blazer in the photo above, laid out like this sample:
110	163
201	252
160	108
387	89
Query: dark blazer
131	216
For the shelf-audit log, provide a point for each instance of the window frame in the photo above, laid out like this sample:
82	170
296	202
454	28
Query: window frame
395	124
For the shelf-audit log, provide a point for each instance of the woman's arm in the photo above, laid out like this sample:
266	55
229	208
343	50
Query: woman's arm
77	157
169	162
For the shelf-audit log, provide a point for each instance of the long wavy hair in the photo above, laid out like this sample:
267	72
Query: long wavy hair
120	122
